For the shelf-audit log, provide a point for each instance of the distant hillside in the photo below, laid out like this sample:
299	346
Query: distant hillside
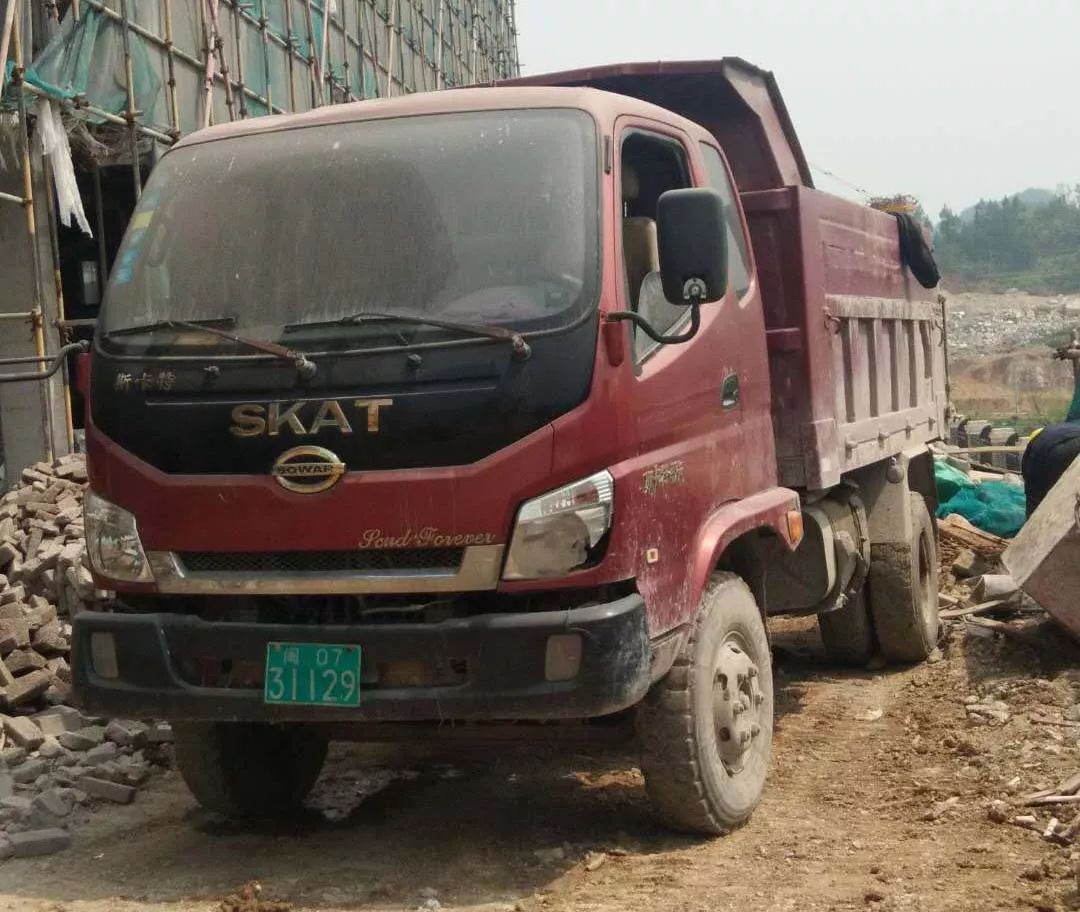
1033	196
1030	241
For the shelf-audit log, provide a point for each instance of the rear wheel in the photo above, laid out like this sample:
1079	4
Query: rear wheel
705	729
904	590
249	770
847	633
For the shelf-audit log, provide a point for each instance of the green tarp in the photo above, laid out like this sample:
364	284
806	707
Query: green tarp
86	59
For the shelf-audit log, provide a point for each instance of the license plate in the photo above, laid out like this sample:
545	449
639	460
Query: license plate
312	674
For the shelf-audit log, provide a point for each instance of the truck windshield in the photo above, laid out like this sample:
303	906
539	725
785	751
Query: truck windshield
487	217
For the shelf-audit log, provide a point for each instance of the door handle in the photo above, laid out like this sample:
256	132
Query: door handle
729	392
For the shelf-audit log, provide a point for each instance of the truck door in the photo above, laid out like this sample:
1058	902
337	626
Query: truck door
688	400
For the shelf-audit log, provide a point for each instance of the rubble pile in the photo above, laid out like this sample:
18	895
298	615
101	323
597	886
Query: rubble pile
55	762
44	580
980	324
1003	636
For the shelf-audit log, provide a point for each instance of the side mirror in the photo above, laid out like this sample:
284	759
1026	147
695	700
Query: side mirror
692	236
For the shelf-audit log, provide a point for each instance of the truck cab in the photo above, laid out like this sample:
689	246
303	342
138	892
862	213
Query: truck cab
462	409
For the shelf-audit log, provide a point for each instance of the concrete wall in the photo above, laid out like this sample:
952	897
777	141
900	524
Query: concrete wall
32	422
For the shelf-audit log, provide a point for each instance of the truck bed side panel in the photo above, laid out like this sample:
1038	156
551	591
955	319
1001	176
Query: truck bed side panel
856	354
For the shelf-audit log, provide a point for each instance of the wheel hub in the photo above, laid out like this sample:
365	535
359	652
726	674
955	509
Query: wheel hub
737	705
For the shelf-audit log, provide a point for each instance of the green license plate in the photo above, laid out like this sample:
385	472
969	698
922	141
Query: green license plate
312	674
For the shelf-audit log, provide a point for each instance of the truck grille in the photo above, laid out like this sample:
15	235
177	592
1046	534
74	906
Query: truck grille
383	560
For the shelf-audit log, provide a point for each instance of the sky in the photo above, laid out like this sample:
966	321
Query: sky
948	100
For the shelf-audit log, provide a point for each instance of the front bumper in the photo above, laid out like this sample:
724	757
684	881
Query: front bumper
500	657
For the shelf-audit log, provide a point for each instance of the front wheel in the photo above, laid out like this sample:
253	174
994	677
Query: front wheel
249	770
705	729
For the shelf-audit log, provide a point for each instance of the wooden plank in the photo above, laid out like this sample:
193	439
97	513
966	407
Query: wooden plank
975	539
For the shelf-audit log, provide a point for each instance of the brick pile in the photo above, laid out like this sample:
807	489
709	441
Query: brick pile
56	764
44	581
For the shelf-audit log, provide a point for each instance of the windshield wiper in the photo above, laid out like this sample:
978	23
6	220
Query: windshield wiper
517	342
305	367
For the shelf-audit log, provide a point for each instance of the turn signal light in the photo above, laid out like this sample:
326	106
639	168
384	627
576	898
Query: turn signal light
794	527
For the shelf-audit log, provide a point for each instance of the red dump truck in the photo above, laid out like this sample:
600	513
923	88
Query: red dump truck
504	411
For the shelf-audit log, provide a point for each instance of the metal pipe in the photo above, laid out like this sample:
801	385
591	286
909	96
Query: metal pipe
54	365
27	316
38	329
77	324
130	114
11	198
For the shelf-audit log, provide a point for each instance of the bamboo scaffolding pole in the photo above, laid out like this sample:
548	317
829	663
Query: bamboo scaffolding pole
324	49
474	37
349	96
263	23
37	323
214	9
375	52
54	249
79	105
314	69
360	34
293	54
390	41
170	51
440	77
130	115
209	65
238	41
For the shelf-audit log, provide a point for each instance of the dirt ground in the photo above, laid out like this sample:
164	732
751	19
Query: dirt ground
879	799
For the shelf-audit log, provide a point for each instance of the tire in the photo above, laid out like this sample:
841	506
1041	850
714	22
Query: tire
915	252
696	780
249	770
904	591
847	634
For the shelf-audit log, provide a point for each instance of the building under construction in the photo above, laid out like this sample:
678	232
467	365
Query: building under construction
93	91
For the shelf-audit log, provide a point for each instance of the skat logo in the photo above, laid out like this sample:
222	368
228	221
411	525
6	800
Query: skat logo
305	417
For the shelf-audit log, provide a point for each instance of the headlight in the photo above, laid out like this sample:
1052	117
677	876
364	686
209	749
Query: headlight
112	541
554	532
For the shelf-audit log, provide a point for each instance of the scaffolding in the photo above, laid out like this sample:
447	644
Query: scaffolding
127	78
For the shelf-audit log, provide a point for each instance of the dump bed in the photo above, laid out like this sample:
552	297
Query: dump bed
856	345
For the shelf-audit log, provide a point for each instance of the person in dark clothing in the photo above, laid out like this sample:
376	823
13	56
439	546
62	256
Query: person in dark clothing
1046	458
1052	450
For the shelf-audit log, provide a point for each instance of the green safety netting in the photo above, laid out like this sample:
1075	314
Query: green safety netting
997	507
86	59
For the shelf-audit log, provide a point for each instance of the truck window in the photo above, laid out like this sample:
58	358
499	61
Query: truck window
738	261
427	216
650	166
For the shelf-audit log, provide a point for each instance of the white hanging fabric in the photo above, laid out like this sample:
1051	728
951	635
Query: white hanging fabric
54	144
